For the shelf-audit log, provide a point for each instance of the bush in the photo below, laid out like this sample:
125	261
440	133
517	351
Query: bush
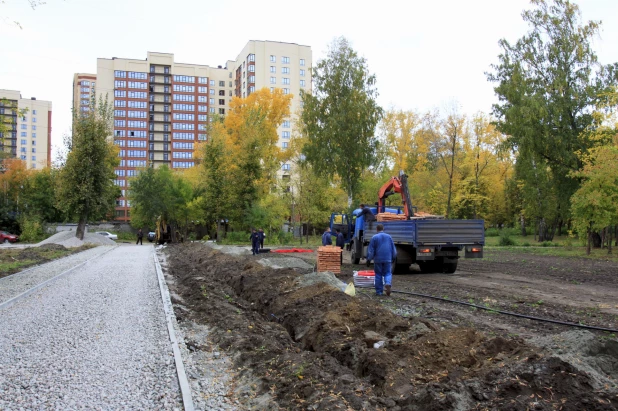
235	237
32	230
526	244
505	239
549	244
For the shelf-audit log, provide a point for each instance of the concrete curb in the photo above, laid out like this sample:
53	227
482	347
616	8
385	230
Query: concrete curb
26	293
185	388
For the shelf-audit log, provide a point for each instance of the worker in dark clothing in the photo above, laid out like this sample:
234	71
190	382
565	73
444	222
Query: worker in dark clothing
326	238
255	242
383	253
262	237
367	214
140	235
340	242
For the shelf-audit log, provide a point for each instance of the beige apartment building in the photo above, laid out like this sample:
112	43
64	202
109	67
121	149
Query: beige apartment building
161	107
83	91
28	136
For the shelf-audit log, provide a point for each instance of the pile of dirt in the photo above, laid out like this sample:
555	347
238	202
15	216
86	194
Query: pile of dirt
313	346
68	239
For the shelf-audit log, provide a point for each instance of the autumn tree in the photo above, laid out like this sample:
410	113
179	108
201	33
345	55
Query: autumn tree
453	129
547	83
340	116
86	187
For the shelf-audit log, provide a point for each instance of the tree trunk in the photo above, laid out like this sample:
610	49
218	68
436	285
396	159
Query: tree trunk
522	221
588	242
603	237
596	239
609	241
560	228
81	226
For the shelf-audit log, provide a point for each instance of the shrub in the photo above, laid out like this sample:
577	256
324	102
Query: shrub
505	239
235	237
31	230
526	244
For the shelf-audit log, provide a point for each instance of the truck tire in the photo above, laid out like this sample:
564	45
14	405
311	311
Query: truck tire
449	268
426	267
354	258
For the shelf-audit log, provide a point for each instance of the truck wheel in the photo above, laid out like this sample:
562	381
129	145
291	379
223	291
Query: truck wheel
449	268
354	259
426	267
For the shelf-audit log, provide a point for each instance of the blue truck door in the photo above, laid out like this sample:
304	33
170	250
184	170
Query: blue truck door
343	223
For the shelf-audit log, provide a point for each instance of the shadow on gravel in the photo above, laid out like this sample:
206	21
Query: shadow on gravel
313	347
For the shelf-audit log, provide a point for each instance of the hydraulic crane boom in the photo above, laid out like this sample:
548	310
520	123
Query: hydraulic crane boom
397	185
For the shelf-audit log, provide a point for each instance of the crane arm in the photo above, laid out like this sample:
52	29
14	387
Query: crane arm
396	185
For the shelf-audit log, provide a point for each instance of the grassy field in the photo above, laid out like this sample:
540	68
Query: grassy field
14	260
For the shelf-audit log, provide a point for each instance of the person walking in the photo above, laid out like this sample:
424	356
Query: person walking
255	242
326	238
340	242
140	235
262	237
383	253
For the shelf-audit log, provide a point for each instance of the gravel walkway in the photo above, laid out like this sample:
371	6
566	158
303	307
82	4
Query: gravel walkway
94	339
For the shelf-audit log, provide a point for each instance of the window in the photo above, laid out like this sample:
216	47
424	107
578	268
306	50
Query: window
118	93
182	154
137	94
137	104
132	173
33	135
137	84
23	134
285	70
302	73
202	137
120	103
183	136
184	107
251	69
222	111
273	80
136	124
185	79
120	84
251	57
24	142
119	173
285	80
286	124
284	144
202	99
202	108
24	126
34	142
273	59
182	164
120	74
272	89
119	133
222	92
137	114
34	151
221	102
119	183
136	163
202	90
202	117
251	79
203	80
121	153
251	89
85	108
184	97
183	146
212	83
120	113
285	60
139	76
184	126
273	69
302	62
136	153
212	101
184	116
302	83
120	123
34	112
285	167
85	90
212	110
119	143
136	143
137	134
185	88
286	91
33	158
285	134
23	157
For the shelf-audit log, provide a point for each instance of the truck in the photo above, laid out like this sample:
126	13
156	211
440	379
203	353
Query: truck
433	242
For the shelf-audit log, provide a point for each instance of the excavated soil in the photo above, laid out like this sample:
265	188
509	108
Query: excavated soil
313	347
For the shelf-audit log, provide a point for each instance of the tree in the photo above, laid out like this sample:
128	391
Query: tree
340	116
452	132
400	132
38	195
86	183
547	83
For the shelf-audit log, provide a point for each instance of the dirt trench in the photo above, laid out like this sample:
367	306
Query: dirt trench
313	347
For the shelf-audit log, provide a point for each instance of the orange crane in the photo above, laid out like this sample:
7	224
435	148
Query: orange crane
397	185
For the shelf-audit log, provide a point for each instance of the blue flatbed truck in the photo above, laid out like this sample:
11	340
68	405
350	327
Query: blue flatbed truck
432	242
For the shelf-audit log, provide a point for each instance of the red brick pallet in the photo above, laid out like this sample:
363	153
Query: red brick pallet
329	259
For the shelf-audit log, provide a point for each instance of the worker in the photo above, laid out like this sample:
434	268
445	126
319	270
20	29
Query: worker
262	237
367	214
255	242
326	240
340	242
140	235
383	253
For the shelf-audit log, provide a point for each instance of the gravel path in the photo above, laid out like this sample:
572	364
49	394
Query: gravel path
94	339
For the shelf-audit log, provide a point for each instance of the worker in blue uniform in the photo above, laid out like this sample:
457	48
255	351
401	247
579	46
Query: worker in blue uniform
383	253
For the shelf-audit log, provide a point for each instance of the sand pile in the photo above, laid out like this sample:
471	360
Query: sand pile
68	239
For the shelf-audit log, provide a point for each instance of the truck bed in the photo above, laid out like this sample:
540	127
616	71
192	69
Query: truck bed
431	231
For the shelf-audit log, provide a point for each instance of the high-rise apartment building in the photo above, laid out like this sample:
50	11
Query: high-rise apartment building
161	107
83	90
28	128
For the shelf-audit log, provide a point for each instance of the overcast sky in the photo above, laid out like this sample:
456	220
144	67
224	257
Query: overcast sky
425	54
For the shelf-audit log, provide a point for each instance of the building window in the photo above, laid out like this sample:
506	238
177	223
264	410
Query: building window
24	126
24	142
212	83
33	135
302	83
212	110
273	59
302	62
286	91
202	117
285	167
34	119
137	84
286	124
120	74
34	112
184	88
302	73
285	80
120	84
251	57
251	89
203	80
120	113
212	101
202	108
184	116
120	93
272	89
185	79
273	69
251	68
251	79
222	111
202	99
137	94
285	60
284	144
33	158
285	70
139	76
221	102
202	90
23	134
34	142
285	134
184	97
273	80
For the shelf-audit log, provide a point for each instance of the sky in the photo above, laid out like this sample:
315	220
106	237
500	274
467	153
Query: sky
426	55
